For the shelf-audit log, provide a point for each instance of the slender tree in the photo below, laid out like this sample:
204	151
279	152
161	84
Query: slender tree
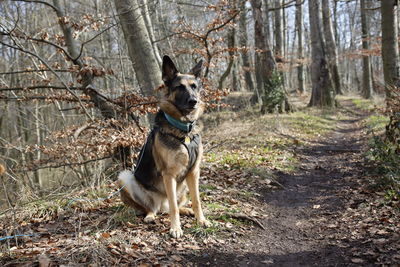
139	44
269	82
367	71
331	46
278	33
231	45
149	26
264	57
299	30
243	43
390	49
321	94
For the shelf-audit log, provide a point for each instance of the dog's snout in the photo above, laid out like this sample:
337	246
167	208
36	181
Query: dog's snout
192	102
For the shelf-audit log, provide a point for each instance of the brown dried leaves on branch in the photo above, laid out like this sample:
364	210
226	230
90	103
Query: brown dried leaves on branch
94	140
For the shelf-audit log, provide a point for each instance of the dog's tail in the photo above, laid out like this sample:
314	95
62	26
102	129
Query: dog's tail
125	179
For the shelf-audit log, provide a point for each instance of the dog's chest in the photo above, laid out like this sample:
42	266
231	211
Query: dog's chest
166	155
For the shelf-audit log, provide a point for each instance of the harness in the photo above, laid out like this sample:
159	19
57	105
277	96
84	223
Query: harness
146	172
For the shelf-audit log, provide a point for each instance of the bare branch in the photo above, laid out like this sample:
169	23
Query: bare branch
38	2
49	67
91	39
31	71
39	87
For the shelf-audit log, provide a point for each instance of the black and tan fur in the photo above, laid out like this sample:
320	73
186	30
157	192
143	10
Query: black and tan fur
167	192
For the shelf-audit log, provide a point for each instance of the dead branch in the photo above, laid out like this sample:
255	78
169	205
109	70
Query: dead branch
30	71
37	1
63	165
81	129
242	216
19	48
39	87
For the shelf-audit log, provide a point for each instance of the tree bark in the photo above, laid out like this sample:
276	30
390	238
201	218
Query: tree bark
243	43
320	78
278	30
299	29
261	46
140	48
149	26
231	45
264	58
331	46
367	77
390	49
270	89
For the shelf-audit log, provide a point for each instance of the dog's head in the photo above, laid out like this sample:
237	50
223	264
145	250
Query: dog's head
181	94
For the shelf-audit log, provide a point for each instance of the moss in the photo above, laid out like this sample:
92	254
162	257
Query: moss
376	123
124	214
312	124
364	104
201	231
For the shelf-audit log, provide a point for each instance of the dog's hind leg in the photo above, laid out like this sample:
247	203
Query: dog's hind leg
192	180
150	217
182	201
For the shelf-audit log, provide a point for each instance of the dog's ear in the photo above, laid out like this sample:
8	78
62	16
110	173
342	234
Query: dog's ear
169	70
196	71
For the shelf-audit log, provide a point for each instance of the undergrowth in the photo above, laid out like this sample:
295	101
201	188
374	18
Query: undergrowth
383	156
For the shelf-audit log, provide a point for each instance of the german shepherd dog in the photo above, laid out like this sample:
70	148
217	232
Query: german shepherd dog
169	161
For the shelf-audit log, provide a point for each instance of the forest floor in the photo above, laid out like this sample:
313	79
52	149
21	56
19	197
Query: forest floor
280	190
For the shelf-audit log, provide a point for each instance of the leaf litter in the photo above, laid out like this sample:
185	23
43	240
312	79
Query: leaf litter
103	233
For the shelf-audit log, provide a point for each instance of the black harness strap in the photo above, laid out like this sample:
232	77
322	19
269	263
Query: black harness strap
146	171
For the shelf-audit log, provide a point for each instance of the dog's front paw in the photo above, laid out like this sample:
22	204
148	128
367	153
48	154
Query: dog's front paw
176	232
204	222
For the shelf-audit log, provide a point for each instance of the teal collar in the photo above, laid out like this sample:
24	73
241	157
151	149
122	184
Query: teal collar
184	126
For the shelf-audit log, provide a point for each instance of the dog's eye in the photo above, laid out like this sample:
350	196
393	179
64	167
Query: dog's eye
193	85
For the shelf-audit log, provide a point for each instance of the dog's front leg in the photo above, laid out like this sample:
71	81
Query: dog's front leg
170	188
193	183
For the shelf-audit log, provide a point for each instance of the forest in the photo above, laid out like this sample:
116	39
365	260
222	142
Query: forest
301	131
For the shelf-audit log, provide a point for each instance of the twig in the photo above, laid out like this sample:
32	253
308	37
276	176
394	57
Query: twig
81	129
37	1
39	87
242	216
29	71
64	164
91	39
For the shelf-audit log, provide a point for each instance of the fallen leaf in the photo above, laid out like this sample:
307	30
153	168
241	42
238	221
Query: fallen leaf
176	257
105	235
44	261
357	260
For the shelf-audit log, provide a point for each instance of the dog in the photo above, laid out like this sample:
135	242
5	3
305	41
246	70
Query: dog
169	161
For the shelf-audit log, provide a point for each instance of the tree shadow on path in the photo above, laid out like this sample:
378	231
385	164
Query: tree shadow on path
298	217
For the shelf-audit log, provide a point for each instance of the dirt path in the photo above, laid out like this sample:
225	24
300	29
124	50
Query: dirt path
299	225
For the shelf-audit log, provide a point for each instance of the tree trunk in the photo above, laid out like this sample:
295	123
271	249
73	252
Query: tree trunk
149	26
278	31
269	84
263	57
245	54
320	78
140	48
267	24
390	49
299	29
331	46
367	78
335	23
231	45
